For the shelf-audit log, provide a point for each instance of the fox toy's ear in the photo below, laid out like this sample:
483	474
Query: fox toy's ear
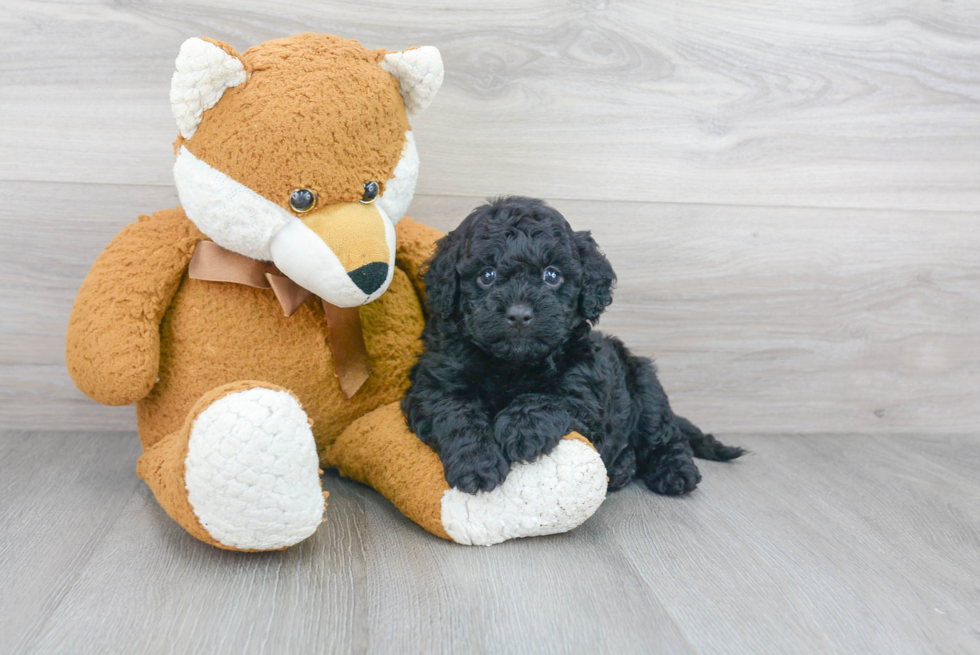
205	69
419	73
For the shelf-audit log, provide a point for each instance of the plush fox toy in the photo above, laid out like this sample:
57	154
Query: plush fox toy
266	328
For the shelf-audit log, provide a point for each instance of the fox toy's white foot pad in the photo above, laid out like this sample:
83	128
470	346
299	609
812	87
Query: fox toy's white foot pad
555	493
252	471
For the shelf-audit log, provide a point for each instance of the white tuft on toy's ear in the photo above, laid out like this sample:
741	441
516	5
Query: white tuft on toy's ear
203	73
419	73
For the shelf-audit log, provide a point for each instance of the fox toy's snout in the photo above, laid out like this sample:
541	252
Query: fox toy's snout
344	252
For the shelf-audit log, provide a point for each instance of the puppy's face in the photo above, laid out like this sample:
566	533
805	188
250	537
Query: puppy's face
515	280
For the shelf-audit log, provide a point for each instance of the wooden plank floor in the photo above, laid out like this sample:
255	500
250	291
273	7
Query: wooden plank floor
847	544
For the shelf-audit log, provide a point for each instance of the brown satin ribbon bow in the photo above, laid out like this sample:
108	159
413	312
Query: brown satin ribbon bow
213	263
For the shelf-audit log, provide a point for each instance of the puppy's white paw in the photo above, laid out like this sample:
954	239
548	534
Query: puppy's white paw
252	471
553	494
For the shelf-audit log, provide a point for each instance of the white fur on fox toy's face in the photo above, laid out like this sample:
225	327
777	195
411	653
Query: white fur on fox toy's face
308	261
400	189
237	218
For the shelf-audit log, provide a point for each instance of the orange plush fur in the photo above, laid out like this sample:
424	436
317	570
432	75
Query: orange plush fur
309	112
141	331
317	112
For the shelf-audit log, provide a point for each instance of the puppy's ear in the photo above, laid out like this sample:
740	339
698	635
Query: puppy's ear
441	278
598	278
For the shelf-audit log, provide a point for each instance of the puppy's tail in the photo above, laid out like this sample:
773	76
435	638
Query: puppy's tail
706	446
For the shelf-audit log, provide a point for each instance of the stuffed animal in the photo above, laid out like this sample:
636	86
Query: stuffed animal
266	328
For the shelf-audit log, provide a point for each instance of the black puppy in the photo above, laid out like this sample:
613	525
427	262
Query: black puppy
511	363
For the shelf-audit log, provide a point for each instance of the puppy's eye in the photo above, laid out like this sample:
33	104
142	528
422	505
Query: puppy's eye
487	277
552	276
302	200
371	190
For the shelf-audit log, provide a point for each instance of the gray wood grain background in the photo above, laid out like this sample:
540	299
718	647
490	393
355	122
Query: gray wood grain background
788	194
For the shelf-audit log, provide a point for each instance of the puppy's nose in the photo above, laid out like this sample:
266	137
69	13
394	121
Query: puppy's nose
519	315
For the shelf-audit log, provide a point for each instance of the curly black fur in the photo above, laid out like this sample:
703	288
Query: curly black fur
511	363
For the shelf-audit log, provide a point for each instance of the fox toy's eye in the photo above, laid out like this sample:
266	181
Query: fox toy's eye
370	192
552	276
302	200
487	277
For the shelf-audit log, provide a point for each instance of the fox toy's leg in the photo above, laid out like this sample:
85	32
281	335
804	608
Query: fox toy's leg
553	494
243	471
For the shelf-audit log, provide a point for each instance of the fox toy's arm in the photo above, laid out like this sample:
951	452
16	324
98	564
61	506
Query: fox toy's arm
113	345
416	243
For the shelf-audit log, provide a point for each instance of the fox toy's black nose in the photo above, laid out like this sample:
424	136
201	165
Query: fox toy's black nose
370	277
519	315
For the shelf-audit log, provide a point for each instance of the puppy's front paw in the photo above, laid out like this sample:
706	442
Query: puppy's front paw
529	428
481	467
